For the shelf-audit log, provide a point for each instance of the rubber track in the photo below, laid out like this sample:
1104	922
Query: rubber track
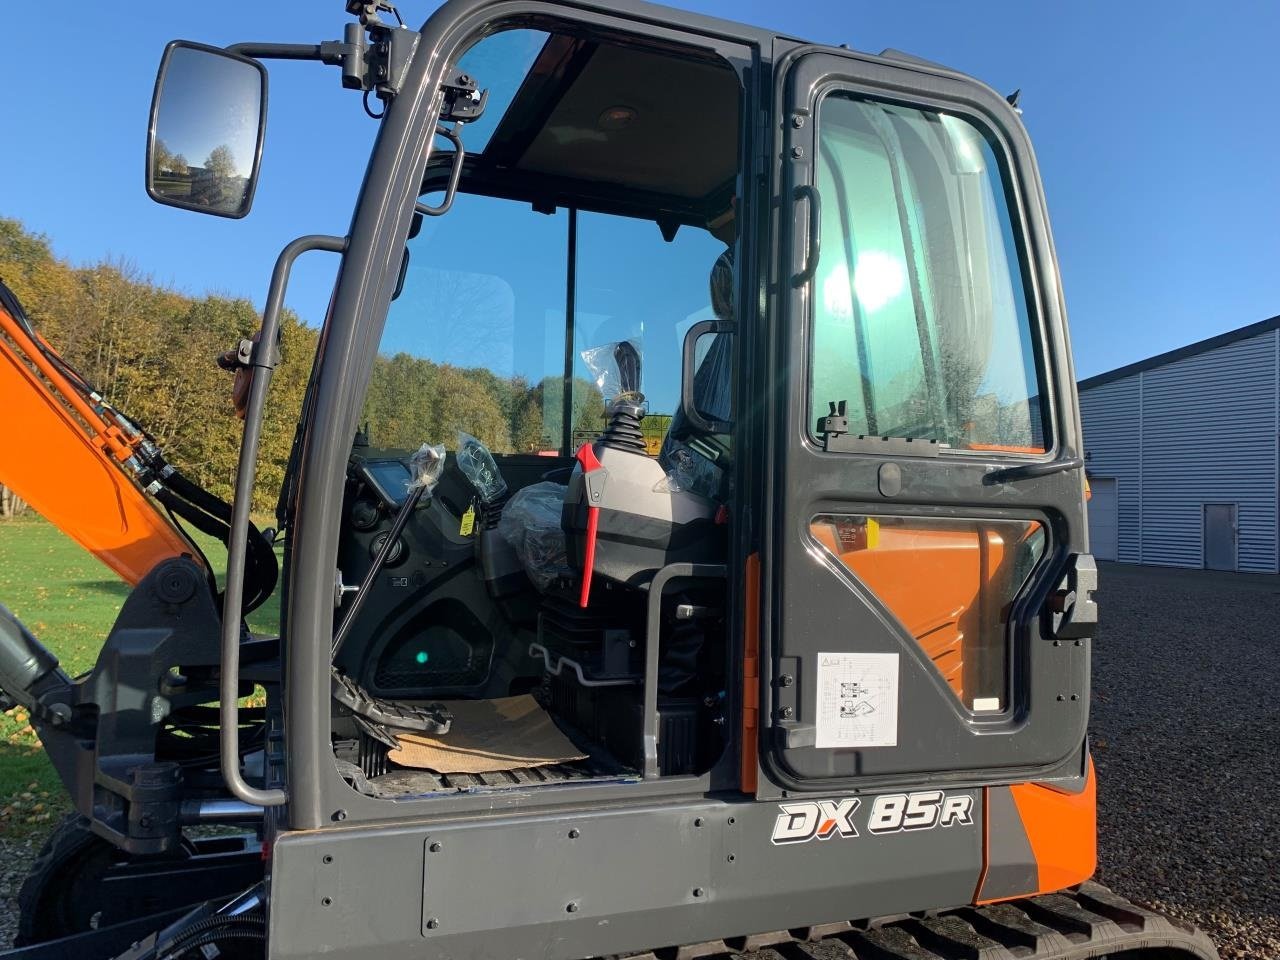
1087	922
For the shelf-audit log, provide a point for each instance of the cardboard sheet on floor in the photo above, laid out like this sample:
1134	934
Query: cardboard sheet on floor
488	736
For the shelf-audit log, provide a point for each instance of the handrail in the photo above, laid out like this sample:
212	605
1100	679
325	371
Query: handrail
455	173
262	363
650	732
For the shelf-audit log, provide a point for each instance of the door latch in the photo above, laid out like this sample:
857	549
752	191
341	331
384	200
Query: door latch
1073	611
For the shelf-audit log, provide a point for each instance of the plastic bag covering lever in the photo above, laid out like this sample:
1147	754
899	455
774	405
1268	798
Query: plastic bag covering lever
478	466
593	475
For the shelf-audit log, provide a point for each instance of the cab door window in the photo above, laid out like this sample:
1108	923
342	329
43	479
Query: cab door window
920	320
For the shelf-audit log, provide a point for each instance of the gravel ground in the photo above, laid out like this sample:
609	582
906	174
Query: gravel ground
1186	737
15	859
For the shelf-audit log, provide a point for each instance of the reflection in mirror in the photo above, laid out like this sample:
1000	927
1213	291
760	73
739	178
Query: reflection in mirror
205	135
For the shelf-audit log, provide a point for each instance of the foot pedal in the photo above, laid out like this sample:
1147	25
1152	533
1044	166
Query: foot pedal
381	714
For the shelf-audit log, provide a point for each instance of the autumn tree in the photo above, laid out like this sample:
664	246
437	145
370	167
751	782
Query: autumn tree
168	162
221	163
151	351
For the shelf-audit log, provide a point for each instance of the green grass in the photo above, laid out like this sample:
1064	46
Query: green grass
69	600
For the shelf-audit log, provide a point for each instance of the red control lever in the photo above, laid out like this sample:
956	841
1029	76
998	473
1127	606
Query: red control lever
590	464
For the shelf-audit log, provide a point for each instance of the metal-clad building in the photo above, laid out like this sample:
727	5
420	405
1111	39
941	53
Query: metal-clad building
1183	455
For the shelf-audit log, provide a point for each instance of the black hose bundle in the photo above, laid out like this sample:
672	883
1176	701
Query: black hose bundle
217	929
212	516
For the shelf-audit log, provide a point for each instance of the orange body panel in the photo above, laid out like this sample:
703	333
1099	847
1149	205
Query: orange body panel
66	461
934	581
1037	838
1063	831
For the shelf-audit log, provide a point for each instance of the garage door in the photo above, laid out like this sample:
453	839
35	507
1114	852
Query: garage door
1103	518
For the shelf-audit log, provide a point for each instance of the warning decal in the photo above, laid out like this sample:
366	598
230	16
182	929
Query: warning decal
857	700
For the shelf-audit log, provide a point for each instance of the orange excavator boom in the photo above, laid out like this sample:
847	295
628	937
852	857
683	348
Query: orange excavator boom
75	459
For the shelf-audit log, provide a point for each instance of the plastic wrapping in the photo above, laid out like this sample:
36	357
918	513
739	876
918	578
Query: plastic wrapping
477	465
426	466
531	524
615	368
682	469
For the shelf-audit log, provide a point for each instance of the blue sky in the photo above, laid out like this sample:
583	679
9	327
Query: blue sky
1154	126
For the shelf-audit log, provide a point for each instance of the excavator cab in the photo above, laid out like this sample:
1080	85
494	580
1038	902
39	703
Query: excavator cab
684	540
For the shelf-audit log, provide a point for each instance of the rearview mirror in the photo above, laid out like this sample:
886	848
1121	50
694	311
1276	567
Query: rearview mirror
204	143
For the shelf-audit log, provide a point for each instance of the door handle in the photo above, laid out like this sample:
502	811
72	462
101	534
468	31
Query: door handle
810	192
1030	471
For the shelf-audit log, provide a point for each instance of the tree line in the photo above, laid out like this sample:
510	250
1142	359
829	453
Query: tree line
151	351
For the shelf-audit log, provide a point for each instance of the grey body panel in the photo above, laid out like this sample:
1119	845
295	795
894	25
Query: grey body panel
1011	864
503	888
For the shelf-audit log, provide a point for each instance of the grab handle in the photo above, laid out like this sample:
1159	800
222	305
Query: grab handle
262	363
455	174
810	192
1033	471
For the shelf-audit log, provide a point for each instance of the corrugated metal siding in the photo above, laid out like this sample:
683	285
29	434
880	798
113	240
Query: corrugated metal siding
1208	435
1111	416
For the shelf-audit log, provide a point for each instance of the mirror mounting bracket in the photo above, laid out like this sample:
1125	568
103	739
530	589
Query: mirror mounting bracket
374	63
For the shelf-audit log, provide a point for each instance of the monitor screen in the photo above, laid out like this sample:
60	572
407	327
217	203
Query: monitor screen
391	478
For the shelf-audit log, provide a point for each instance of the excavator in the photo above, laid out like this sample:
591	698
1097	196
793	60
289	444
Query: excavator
806	677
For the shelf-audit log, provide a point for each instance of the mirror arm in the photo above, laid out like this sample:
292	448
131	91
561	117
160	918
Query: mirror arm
374	62
331	51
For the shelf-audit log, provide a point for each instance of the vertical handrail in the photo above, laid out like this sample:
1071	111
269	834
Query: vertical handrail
262	364
653	632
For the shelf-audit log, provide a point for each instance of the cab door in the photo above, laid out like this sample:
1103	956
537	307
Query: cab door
925	513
